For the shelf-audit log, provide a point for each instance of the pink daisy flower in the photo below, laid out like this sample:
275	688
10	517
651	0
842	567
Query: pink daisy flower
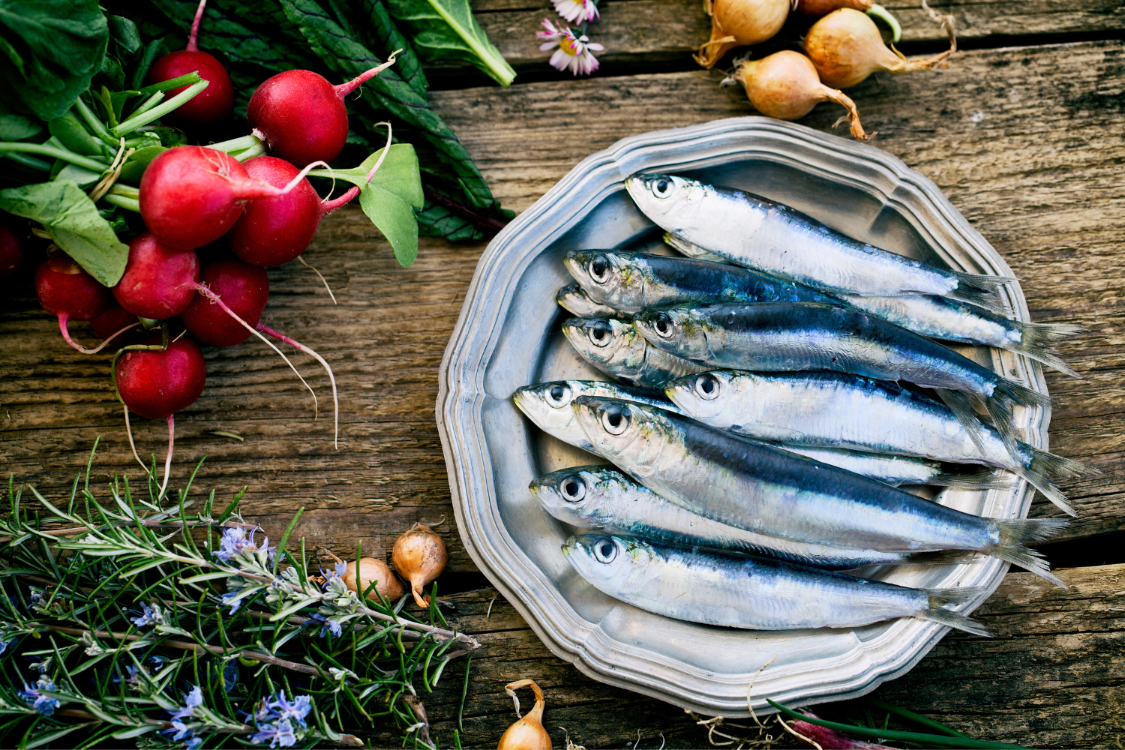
573	53
577	11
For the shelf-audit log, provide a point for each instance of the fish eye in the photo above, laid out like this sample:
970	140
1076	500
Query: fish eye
558	395
573	489
662	323
605	550
614	420
600	333
662	188
599	269
707	386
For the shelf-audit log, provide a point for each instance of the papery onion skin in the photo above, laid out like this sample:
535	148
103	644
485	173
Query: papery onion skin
419	556
824	7
740	23
785	85
846	48
370	569
527	733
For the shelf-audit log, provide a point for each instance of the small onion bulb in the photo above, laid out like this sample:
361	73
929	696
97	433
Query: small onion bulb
824	7
739	23
785	85
372	570
527	733
419	556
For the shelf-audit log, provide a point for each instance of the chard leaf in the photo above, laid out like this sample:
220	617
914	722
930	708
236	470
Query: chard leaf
73	222
446	30
52	50
17	125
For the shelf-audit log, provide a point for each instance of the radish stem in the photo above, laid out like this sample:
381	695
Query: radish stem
332	378
346	88
157	112
191	47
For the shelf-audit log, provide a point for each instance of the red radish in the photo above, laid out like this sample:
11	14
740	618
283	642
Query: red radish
67	291
245	289
191	195
846	48
115	324
302	117
739	23
158	282
785	85
11	249
156	383
212	105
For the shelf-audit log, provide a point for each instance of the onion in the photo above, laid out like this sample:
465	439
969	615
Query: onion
824	7
845	46
371	570
785	85
527	733
419	556
738	23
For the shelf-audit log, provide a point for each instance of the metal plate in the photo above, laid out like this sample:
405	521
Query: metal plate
508	336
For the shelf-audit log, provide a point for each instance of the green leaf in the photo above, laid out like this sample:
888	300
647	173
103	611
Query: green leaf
53	49
124	32
446	30
395	219
15	127
73	222
72	134
137	162
81	176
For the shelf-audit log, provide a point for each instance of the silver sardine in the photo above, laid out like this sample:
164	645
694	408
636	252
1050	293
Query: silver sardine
897	471
618	349
740	592
575	301
780	241
743	483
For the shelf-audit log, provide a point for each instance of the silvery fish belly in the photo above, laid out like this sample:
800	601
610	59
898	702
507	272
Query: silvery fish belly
691	250
897	471
839	411
548	405
739	592
743	483
632	282
604	499
780	241
575	301
618	349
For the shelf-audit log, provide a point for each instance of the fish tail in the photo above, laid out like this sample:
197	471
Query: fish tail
1042	465
977	480
954	620
1012	392
1037	341
1016	534
982	290
959	405
1002	419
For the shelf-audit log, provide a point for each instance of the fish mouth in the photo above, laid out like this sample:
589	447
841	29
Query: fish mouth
570	546
573	262
521	398
534	487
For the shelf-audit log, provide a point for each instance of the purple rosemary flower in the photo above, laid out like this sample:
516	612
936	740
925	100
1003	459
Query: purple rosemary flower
149	616
236	541
41	703
280	734
192	700
296	710
233	598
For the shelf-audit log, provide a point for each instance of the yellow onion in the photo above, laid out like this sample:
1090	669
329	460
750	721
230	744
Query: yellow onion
824	7
527	733
419	556
845	46
372	570
785	85
738	23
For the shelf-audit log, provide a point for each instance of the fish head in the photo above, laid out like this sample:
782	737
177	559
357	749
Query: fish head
608	562
548	406
574	495
680	330
608	343
631	435
703	396
609	277
667	200
574	300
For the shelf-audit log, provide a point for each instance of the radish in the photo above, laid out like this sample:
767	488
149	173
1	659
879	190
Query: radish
846	48
785	85
216	102
65	290
114	322
191	195
157	382
302	117
739	23
159	282
244	287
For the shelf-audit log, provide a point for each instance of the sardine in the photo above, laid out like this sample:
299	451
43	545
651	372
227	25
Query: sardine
742	592
897	471
600	498
786	337
691	250
780	241
940	318
632	282
575	301
830	410
746	484
548	405
618	349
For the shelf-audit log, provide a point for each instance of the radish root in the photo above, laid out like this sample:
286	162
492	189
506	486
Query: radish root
168	460
331	377
129	432
346	88
78	347
322	279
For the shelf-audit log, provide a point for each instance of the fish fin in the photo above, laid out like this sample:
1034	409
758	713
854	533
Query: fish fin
1002	421
1038	340
1017	393
1043	465
1009	393
1015	534
977	480
982	290
953	595
959	405
954	620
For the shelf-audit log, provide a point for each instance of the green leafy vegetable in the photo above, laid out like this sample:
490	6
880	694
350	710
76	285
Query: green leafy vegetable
74	223
17	127
50	50
445	30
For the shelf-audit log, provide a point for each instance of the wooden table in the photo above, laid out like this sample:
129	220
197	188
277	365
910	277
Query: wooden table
1024	132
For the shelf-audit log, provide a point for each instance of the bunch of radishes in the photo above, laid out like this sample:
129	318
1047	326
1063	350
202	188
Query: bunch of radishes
841	49
260	212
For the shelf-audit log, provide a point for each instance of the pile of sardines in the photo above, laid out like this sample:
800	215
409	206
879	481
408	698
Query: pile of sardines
775	390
